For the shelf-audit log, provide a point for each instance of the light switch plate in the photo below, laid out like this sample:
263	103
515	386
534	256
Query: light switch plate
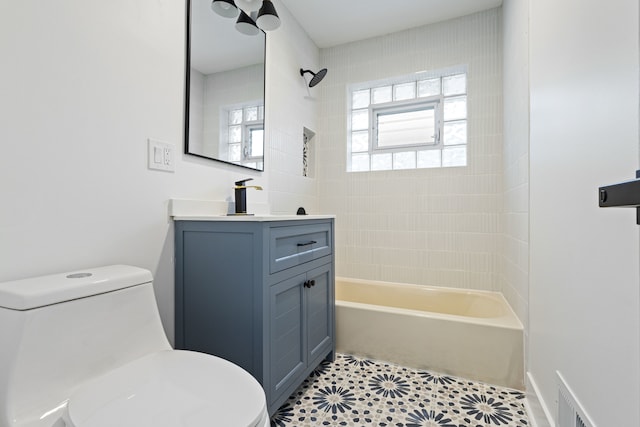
161	155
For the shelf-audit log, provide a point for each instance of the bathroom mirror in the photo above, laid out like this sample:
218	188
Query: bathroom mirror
224	96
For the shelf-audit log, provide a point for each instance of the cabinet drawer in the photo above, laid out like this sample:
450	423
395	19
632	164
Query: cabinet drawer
293	245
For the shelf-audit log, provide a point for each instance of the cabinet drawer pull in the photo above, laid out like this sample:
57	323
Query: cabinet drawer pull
310	242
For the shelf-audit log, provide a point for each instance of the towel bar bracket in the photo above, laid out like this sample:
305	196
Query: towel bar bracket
622	195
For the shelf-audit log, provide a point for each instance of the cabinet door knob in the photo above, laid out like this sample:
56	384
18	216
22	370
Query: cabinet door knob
312	283
306	284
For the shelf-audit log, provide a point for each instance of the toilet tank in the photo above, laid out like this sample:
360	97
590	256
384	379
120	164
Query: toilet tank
61	330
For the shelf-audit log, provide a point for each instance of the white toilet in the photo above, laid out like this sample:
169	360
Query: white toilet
87	349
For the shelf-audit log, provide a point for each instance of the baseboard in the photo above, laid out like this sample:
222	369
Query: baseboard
537	409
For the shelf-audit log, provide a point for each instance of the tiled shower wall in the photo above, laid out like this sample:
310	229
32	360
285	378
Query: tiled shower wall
426	226
290	108
514	269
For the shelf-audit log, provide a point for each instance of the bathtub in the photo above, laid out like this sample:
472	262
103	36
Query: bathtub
461	332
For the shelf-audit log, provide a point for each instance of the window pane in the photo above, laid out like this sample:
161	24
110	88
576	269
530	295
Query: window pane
257	142
234	152
261	112
251	114
455	133
381	94
235	117
409	124
429	159
235	134
360	141
455	108
404	160
454	156
404	91
406	128
360	99
381	162
359	162
429	87
359	119
454	85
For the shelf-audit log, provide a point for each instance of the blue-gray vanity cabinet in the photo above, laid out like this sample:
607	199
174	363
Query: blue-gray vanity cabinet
301	328
257	293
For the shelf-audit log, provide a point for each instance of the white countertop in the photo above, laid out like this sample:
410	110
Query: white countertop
251	218
216	210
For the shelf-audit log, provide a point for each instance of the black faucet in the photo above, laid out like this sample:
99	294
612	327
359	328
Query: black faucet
241	195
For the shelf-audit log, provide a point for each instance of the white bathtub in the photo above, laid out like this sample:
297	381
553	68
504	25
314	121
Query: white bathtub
461	332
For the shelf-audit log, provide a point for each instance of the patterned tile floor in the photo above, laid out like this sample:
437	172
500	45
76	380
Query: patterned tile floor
353	391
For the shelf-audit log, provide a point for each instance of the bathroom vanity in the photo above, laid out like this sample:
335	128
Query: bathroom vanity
258	291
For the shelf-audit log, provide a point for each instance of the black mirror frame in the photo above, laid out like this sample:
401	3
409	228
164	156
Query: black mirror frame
187	91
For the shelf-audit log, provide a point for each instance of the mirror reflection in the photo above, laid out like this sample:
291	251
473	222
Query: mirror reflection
225	89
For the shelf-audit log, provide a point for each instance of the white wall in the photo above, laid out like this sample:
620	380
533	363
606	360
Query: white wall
84	84
196	110
584	290
425	226
242	86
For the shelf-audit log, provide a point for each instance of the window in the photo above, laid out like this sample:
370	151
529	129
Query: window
244	135
417	121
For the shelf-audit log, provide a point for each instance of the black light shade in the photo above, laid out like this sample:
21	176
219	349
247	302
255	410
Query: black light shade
246	25
268	19
226	8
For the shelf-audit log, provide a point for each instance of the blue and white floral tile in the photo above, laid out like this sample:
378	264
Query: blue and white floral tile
354	391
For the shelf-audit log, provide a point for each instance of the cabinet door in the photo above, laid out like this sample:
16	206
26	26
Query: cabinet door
287	341
218	314
319	312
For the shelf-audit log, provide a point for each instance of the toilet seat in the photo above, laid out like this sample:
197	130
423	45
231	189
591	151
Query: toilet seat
171	388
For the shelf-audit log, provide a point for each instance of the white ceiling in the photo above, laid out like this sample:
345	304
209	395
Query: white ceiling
334	22
217	46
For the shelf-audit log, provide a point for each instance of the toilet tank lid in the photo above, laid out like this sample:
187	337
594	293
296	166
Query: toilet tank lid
26	294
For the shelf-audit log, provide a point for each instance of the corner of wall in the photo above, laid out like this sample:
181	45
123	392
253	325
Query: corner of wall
291	107
537	409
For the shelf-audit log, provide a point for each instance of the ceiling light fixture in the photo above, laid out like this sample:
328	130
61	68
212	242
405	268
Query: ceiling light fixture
249	5
268	19
246	25
226	8
261	13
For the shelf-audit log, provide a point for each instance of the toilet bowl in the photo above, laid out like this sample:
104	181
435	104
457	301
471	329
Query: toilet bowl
169	388
87	349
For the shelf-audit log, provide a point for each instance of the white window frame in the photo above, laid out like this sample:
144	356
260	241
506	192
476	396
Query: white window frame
247	140
246	126
375	110
450	153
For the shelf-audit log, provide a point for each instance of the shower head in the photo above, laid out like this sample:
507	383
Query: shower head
317	77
